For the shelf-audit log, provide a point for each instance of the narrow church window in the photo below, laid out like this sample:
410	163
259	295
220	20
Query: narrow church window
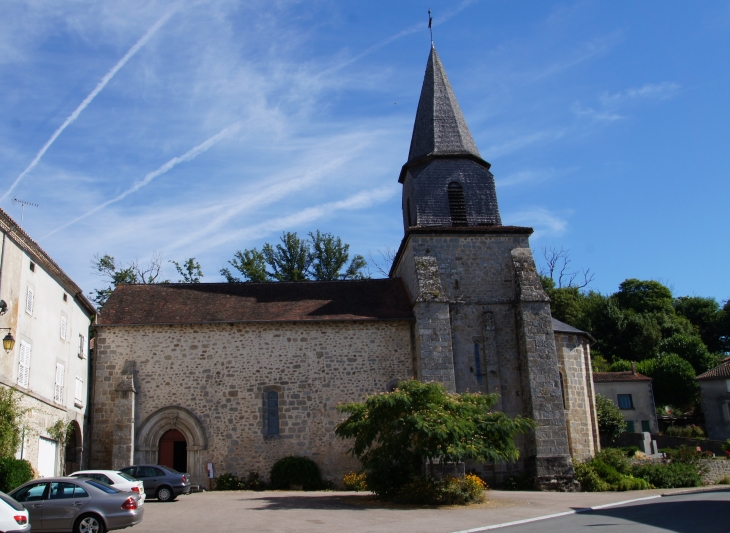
272	413
478	362
457	204
562	390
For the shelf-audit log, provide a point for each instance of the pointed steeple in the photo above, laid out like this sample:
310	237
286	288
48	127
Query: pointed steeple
440	128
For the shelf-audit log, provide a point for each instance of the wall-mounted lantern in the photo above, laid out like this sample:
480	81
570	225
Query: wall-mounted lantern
8	341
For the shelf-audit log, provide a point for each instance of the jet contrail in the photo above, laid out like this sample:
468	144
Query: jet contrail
187	156
99	86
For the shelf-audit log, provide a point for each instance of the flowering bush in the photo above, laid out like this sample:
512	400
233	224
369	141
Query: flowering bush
448	491
355	481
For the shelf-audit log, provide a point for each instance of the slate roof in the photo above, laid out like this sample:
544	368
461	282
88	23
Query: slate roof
721	371
562	327
196	303
440	127
603	377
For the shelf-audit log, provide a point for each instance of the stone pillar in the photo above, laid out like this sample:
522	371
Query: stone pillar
433	326
123	446
547	450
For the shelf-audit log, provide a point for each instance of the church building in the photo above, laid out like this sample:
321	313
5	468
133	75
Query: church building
239	375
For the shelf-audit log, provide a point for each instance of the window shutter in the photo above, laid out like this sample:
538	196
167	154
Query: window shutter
29	301
24	366
63	327
82	346
79	394
58	391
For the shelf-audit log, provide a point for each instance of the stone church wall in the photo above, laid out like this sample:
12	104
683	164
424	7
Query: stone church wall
219	374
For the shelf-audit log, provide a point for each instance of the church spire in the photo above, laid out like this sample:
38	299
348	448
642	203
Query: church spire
440	128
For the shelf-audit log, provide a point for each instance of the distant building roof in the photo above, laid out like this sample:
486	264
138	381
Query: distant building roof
312	301
40	257
721	371
562	327
603	377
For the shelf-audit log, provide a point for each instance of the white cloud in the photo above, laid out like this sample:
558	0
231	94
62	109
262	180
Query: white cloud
542	220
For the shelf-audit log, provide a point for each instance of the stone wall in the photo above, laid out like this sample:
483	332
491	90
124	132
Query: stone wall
469	282
716	469
580	411
209	381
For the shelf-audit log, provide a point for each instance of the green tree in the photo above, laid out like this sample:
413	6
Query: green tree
395	434
707	316
322	257
116	274
645	296
673	379
11	424
190	270
611	422
691	349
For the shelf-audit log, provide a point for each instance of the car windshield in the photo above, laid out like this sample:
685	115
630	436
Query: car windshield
11	502
102	486
126	476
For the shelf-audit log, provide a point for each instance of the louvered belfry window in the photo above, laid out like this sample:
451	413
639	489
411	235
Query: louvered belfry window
457	205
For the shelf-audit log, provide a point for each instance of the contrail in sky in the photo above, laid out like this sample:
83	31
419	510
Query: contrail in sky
99	86
187	156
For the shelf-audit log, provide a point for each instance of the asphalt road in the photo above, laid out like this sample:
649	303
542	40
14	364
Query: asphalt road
347	512
707	512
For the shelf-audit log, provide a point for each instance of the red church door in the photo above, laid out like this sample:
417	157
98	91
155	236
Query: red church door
173	450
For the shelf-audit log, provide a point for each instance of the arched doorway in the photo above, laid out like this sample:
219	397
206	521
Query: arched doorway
72	453
173	450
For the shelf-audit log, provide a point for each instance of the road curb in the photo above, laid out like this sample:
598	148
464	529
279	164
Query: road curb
714	488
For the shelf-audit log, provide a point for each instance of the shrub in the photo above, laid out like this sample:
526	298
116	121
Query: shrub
233	482
616	458
294	470
669	476
14	472
589	479
355	481
599	475
611	422
687	432
630	451
396	433
426	490
11	414
684	455
725	480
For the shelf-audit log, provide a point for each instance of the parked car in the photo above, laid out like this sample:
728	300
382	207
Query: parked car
77	504
163	482
116	479
13	516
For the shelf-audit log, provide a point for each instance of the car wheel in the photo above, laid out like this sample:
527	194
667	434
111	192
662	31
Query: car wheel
89	524
165	494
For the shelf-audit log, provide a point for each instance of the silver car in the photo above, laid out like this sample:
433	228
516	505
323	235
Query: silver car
78	505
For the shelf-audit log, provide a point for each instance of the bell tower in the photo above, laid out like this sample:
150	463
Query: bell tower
483	321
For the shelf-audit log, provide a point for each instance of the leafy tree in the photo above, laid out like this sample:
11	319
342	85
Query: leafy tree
11	425
395	434
707	316
691	349
645	296
189	270
321	257
116	274
611	422
673	378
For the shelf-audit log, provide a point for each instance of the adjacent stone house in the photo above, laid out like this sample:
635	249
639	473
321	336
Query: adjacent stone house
715	399
243	374
633	394
49	317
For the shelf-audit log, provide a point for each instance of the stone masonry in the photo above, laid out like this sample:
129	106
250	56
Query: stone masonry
214	376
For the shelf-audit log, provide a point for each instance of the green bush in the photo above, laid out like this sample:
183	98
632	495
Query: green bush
630	451
589	479
669	476
14	472
611	421
616	458
426	490
609	470
684	455
687	432
299	471
233	482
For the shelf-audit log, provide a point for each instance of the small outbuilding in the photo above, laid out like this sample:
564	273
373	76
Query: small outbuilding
715	398
633	394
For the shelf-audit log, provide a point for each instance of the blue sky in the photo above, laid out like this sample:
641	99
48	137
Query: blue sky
201	128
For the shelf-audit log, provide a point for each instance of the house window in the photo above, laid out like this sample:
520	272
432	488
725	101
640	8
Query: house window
79	393
65	297
272	413
29	301
457	205
24	365
82	347
630	426
63	327
645	427
58	389
32	266
625	401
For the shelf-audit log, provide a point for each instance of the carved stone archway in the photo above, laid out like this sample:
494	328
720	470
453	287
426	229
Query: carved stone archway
154	426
